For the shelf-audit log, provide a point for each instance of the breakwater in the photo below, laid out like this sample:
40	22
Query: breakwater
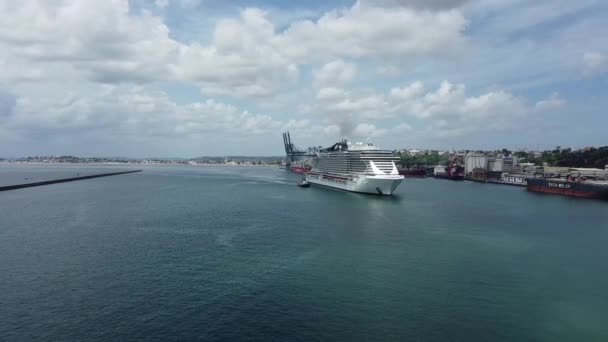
63	180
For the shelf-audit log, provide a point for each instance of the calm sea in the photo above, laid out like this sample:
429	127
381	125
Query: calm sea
236	253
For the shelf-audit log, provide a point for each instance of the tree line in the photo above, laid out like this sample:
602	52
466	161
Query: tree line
427	158
589	157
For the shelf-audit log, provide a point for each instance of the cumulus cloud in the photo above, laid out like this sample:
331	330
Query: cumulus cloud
369	105
448	108
161	3
365	130
239	61
247	56
425	4
330	93
337	72
450	102
402	128
411	91
594	63
375	32
55	54
108	43
551	103
136	111
99	38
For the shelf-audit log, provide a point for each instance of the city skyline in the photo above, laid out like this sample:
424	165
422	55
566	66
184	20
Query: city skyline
406	150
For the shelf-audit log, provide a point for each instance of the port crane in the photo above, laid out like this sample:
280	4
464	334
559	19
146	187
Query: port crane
292	152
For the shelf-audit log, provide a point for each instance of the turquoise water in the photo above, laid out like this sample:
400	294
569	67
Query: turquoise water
236	253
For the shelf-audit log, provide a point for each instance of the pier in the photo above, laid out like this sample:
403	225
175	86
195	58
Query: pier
63	180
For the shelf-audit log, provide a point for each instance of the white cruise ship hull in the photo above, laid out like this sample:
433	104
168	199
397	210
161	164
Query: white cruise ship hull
377	185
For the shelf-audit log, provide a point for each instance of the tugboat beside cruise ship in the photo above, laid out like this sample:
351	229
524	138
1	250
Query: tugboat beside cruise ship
358	167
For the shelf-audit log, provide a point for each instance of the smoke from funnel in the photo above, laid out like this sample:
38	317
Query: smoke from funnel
347	127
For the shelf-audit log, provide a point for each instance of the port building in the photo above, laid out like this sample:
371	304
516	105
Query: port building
475	161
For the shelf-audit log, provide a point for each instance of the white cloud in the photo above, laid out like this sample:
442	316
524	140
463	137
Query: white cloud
594	63
447	109
445	101
402	128
106	42
551	103
366	106
451	103
387	70
135	111
332	130
409	92
365	131
375	32
237	74
330	93
337	72
249	57
189	3
240	61
334	66
99	38
297	125
161	3
425	4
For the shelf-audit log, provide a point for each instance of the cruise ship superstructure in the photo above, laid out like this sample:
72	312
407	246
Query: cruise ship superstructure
358	167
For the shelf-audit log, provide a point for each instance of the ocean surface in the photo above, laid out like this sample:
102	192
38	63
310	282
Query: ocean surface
179	253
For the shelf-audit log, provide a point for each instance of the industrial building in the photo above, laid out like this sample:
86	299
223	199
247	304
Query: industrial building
473	161
476	162
503	164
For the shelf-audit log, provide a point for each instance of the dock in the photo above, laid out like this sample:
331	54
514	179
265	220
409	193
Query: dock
63	180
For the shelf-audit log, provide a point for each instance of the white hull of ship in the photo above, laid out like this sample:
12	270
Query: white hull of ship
377	185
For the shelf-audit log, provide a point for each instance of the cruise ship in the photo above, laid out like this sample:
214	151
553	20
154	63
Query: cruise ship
357	167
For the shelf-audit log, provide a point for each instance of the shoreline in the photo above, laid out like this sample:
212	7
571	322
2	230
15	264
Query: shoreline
139	164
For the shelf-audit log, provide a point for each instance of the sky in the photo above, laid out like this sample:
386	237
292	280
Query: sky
188	78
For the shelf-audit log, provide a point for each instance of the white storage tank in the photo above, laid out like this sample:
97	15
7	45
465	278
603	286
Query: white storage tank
474	161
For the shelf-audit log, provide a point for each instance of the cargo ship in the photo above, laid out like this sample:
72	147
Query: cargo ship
453	172
412	172
570	187
296	160
356	167
300	166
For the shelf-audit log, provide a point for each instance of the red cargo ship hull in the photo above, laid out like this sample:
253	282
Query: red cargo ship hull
566	192
412	172
450	177
299	169
567	188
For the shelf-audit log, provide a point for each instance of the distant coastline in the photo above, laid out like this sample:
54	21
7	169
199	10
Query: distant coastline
102	161
140	164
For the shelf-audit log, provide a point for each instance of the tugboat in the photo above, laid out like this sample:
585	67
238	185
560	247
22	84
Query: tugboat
304	183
